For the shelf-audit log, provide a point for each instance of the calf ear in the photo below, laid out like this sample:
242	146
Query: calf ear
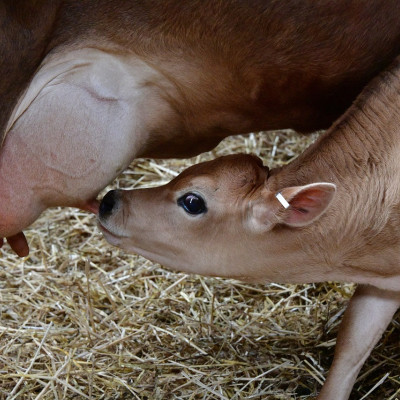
293	206
305	204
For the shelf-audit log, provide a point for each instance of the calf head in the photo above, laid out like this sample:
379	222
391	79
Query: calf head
221	217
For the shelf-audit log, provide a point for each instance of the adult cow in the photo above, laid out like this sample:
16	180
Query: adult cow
87	85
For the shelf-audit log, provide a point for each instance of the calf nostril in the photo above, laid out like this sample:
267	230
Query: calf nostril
108	203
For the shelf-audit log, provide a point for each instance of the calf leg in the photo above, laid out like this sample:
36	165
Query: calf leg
369	312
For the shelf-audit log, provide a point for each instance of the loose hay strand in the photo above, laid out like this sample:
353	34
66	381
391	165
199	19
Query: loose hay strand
81	319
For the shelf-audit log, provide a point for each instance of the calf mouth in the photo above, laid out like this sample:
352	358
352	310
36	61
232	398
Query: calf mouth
111	237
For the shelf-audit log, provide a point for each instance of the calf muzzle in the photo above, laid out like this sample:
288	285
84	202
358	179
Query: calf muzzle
109	203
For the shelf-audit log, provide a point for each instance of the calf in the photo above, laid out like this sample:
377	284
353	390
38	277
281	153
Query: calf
86	86
332	214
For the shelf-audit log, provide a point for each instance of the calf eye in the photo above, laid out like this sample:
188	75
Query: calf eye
192	203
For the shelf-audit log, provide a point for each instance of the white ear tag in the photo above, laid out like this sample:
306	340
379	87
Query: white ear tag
282	200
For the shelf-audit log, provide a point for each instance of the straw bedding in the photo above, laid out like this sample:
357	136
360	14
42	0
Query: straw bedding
81	319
